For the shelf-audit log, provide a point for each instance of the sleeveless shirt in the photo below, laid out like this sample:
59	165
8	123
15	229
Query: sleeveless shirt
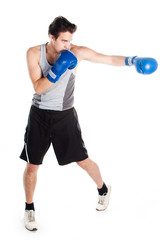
60	96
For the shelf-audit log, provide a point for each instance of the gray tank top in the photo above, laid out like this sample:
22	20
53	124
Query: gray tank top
60	96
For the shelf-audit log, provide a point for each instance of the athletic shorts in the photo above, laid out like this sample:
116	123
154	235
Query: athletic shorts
59	128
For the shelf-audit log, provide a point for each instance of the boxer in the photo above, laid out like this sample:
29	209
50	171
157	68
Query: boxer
52	118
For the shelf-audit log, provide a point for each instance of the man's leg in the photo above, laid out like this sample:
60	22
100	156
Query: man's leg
93	170
30	180
104	191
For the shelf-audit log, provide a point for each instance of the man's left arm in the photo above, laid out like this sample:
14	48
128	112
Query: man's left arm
88	54
142	65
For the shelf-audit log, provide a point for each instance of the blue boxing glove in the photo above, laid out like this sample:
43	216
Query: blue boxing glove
66	60
142	65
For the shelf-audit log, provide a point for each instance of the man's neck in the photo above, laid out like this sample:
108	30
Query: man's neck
52	55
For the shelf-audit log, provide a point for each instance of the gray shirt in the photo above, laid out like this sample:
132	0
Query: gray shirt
60	96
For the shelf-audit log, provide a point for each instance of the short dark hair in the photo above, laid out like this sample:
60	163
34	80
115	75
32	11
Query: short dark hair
61	24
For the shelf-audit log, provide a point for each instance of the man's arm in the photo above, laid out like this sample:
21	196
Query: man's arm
142	65
40	84
88	54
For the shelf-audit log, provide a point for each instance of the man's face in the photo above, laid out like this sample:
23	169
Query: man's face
63	41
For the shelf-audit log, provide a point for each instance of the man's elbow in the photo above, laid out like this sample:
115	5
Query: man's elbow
37	89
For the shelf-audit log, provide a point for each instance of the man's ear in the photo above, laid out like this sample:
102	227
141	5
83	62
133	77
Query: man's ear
52	38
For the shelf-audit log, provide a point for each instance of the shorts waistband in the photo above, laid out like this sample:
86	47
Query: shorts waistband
52	111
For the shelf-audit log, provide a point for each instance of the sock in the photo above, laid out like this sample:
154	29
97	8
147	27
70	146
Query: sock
30	206
103	190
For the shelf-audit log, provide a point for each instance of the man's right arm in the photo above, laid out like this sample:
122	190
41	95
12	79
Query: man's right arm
40	84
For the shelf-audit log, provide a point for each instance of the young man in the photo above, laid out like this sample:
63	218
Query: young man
52	117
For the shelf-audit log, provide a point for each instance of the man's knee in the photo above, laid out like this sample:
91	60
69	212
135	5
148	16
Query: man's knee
83	164
31	168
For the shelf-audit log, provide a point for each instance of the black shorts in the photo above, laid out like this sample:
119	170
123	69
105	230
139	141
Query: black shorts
61	128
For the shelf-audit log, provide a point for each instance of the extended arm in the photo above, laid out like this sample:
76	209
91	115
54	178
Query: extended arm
85	53
142	65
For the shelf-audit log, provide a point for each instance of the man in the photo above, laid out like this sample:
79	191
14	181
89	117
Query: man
52	118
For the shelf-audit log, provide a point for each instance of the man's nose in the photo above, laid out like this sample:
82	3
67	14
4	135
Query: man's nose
67	46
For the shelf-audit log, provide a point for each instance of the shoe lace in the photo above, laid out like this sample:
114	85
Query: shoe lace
102	199
31	217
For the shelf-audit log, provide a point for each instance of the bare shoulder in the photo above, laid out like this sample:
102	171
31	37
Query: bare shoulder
34	52
81	52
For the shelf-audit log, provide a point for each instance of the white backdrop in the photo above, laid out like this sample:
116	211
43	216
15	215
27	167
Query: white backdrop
119	115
